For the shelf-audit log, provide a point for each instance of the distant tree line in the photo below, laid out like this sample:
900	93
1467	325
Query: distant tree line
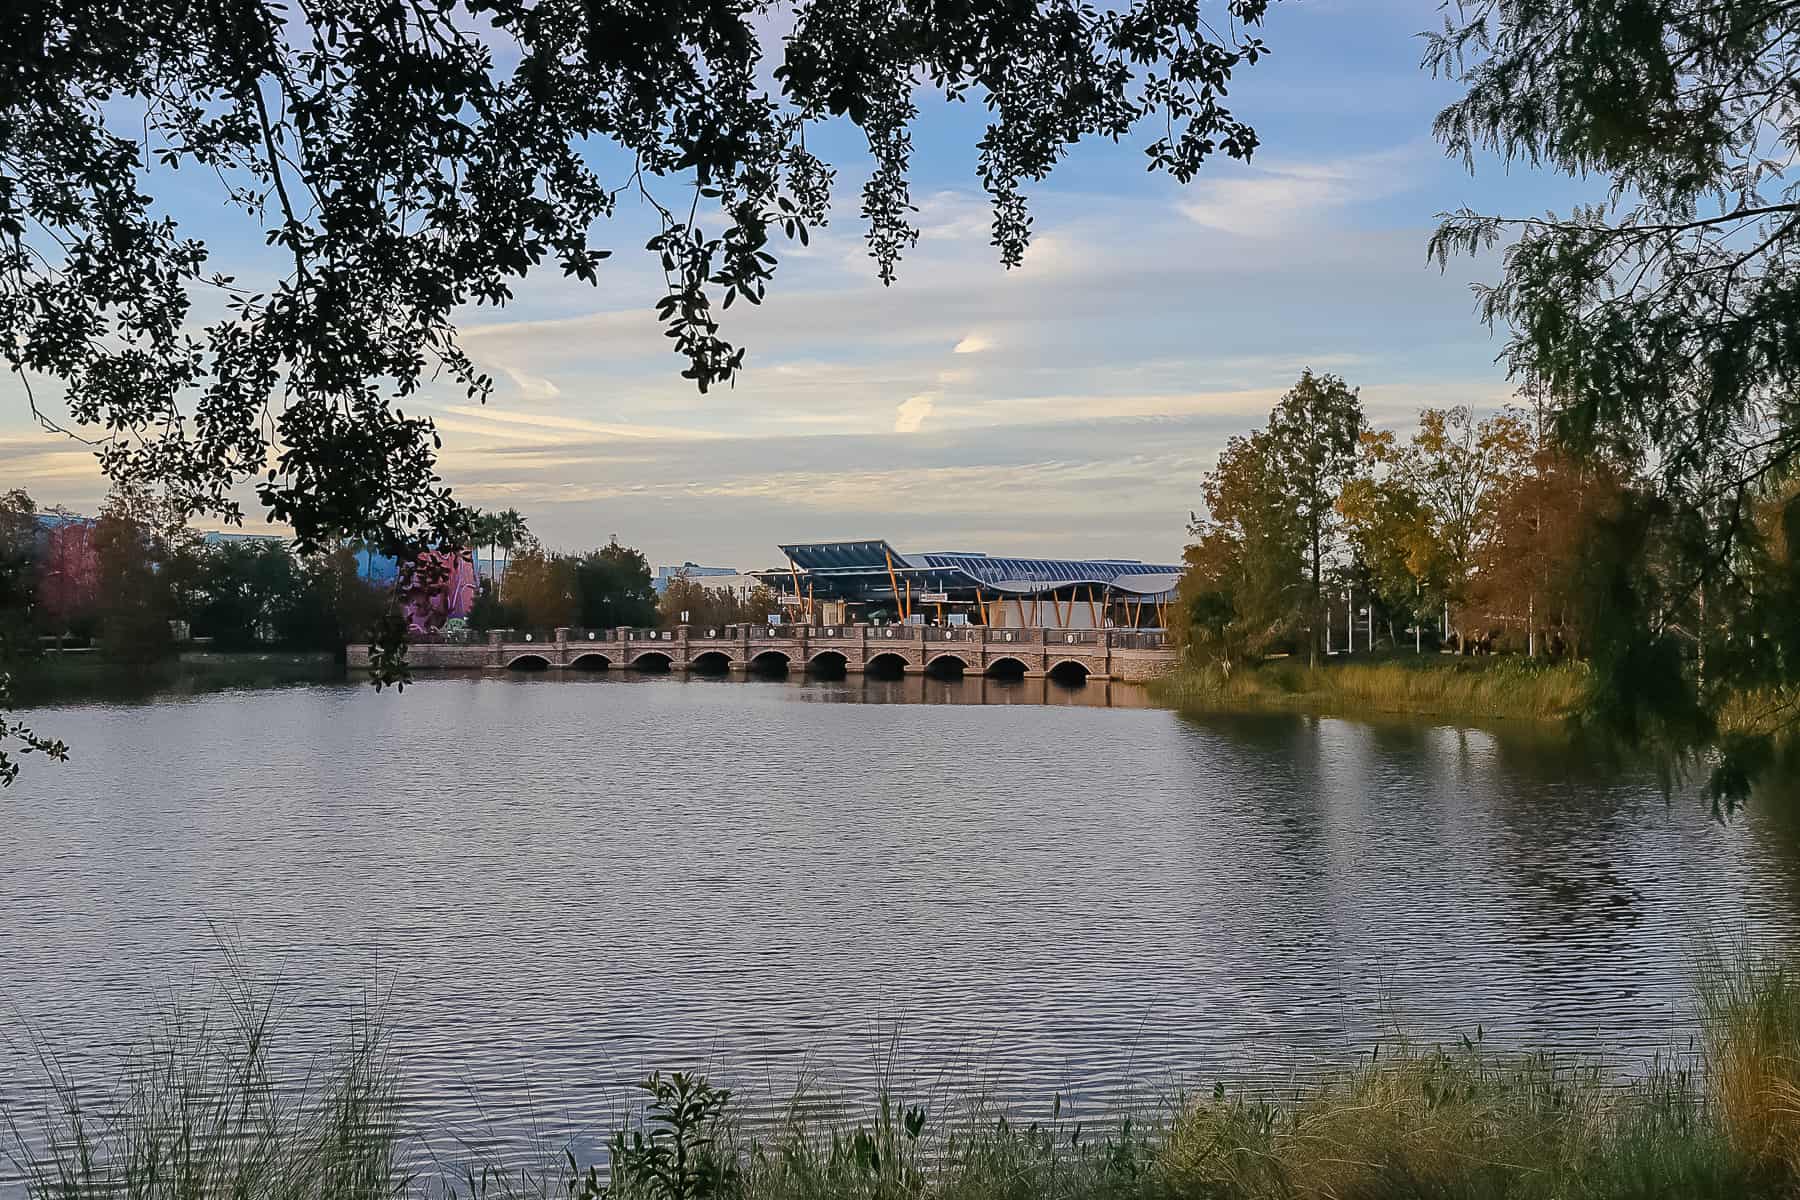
133	578
603	589
1472	533
539	589
715	606
137	575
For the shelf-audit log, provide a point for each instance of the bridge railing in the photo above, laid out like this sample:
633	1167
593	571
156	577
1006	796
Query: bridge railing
448	637
512	636
1138	639
648	635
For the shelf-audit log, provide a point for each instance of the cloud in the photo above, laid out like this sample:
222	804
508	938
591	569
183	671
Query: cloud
531	387
1281	200
911	413
598	429
974	343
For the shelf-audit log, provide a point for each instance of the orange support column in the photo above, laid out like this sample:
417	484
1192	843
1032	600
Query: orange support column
895	584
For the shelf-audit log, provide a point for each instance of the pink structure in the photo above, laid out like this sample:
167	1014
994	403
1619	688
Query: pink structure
440	587
69	577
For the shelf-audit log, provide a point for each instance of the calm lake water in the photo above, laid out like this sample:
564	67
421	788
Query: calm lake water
559	884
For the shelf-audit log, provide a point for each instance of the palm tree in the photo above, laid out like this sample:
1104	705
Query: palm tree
483	531
508	533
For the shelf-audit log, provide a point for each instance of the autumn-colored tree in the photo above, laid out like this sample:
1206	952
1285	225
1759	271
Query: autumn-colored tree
688	601
1545	520
131	544
1246	582
541	587
711	606
1389	531
1460	468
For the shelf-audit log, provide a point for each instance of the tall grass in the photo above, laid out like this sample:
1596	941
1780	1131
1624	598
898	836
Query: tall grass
201	1114
1502	688
1751	1005
200	1110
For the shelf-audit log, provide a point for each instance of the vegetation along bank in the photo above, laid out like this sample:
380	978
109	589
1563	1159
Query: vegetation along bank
1717	1118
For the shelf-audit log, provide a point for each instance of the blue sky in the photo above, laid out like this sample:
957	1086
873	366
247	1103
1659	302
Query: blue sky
1068	406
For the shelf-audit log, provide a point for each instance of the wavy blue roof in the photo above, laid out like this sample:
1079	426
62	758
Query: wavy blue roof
849	562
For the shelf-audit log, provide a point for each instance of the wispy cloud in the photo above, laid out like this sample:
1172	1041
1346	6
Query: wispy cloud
1281	200
593	429
973	343
531	387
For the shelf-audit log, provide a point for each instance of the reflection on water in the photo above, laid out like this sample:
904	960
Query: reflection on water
909	689
565	882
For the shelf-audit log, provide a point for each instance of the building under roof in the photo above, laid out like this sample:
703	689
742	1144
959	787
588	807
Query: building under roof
870	580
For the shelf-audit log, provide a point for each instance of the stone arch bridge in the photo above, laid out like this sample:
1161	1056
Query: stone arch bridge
1101	654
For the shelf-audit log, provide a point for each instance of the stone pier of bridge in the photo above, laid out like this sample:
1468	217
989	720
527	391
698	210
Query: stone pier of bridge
1129	655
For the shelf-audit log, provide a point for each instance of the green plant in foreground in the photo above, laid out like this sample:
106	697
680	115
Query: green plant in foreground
676	1157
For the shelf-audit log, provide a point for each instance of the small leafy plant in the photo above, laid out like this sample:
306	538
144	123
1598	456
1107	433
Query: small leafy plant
676	1155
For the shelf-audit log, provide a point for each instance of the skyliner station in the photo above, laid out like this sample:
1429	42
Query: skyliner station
870	581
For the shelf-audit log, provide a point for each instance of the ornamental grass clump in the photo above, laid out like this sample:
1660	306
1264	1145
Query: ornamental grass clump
1460	1123
1751	1005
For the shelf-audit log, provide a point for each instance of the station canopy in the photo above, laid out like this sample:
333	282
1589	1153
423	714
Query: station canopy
869	571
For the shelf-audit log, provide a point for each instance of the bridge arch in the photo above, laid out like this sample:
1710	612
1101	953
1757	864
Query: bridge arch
946	666
711	662
528	662
1069	671
592	660
886	666
654	661
1007	668
771	663
828	664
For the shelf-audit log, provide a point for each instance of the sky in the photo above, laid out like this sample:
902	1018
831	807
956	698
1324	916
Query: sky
1068	407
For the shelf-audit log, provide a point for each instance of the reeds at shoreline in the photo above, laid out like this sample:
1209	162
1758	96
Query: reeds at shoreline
1480	689
198	1114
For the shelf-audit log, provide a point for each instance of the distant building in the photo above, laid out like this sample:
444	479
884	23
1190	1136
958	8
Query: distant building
665	574
870	580
219	536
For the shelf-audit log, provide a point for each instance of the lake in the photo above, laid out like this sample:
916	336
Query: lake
554	885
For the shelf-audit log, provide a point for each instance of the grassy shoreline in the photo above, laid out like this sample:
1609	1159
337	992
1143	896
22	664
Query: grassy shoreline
1432	685
198	1115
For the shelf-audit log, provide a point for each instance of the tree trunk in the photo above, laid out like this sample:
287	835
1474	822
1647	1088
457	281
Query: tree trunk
1312	639
1701	650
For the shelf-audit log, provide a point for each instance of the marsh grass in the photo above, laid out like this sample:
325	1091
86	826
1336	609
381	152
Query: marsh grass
200	1110
202	1113
1456	1123
1751	1006
1499	688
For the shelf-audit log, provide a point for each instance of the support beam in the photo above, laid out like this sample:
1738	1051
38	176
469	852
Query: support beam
892	582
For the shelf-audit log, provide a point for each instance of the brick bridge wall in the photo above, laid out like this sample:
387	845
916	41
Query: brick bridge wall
1103	653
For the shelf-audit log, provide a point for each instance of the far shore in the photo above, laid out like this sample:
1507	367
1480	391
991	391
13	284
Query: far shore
1498	688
